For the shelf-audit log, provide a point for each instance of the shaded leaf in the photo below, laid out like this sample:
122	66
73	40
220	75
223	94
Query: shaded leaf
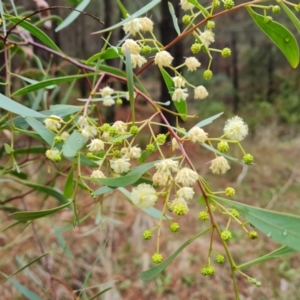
280	36
32	215
174	18
130	85
283	228
68	189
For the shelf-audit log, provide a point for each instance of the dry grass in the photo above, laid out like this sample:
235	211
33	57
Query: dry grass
111	252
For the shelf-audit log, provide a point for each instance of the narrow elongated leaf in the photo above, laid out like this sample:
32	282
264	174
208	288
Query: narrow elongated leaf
100	293
181	106
277	253
280	35
290	14
138	13
34	31
68	189
174	18
47	135
208	120
122	9
283	228
62	110
62	243
23	268
73	15
3	20
103	190
200	7
152	273
31	81
112	70
32	215
130	85
17	108
110	53
46	83
48	190
74	143
24	290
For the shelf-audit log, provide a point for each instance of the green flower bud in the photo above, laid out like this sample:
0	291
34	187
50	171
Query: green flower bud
113	131
223	146
161	139
226	235
119	101
258	283
57	158
179	209
203	271
253	235
117	142
212	207
195	48
105	127
58	139
216	3
157	258
134	130
174	227
186	19
116	153
229	192
248	159
146	49
276	9
297	7
203	216
147	234
228	4
235	213
268	19
150	147
210	270
226	52
89	155
210	25
207	75
220	259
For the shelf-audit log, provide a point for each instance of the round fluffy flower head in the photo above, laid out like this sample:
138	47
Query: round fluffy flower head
121	126
52	154
120	165
235	129
166	166
192	63
186	177
132	46
161	179
146	24
132	152
97	174
174	144
207	37
179	207
108	101
106	92
179	95
163	59
186	193
143	196
200	92
179	82
137	60
133	26
219	165
197	134
89	131
53	122
96	145
185	5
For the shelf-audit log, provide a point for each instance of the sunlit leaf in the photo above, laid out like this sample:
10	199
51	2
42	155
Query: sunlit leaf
110	53
281	37
122	9
73	15
283	228
152	273
174	18
208	120
17	108
200	7
73	144
68	189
